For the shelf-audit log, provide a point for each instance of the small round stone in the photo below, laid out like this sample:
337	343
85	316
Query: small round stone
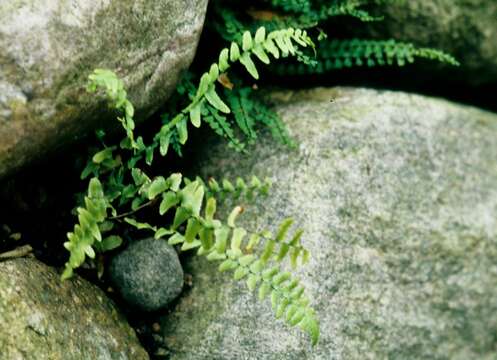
147	274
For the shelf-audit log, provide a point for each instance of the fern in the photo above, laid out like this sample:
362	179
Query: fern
217	241
331	54
114	87
240	189
276	44
249	110
206	105
230	23
87	234
339	54
120	188
297	6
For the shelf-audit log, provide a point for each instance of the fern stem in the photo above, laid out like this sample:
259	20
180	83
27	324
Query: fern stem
120	216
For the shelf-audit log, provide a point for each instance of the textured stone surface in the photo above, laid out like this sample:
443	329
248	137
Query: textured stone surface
147	274
466	29
42	318
49	47
397	194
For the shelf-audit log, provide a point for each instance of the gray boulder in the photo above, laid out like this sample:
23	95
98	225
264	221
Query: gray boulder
147	274
397	195
43	318
466	29
49	47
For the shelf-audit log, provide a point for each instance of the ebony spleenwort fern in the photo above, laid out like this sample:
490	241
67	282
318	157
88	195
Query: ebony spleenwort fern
303	14
254	257
276	44
87	234
339	54
332	54
114	87
120	188
195	227
206	105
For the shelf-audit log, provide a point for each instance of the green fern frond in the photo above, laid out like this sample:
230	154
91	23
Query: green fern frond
298	6
239	189
262	46
206	104
221	126
339	54
194	227
224	242
249	110
352	8
114	88
87	232
242	107
303	14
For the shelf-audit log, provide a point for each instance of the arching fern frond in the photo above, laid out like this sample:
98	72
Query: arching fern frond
338	54
206	103
114	88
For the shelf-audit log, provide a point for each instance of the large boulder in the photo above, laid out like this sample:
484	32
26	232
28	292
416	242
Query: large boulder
43	318
466	29
397	194
49	47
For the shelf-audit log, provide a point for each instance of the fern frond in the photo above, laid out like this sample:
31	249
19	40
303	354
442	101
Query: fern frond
273	122
352	8
276	44
249	110
222	127
239	189
194	227
324	10
114	88
87	231
298	6
302	14
242	107
338	54
206	105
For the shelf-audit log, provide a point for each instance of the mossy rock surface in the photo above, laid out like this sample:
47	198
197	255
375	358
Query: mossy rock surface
466	29
397	195
43	318
49	47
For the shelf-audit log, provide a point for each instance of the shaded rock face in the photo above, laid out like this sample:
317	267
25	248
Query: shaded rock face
147	274
43	318
467	29
49	47
397	196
